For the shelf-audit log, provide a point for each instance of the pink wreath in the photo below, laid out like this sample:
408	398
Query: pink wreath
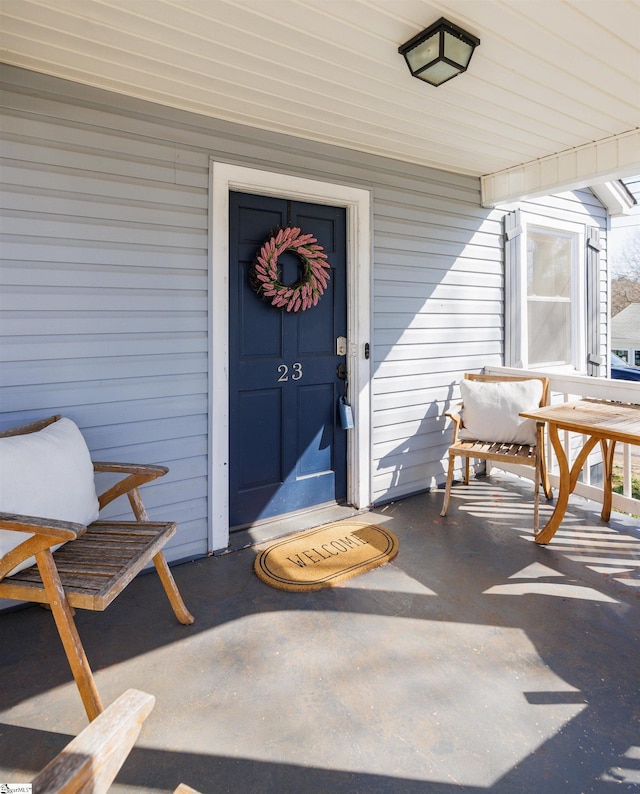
307	291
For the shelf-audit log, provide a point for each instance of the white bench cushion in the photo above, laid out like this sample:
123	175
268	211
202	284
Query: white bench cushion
47	474
490	410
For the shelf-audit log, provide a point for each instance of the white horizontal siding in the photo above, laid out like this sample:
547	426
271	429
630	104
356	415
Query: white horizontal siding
104	284
103	291
448	319
437	312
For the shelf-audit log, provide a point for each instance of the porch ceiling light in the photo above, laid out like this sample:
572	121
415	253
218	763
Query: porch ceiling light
439	53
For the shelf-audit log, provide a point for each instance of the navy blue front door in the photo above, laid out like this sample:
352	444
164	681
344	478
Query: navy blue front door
287	449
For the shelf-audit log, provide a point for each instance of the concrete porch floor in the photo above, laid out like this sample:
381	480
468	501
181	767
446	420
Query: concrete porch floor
476	661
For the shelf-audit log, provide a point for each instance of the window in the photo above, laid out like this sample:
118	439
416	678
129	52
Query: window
547	292
550	270
623	354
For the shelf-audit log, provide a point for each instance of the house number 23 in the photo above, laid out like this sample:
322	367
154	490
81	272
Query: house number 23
283	371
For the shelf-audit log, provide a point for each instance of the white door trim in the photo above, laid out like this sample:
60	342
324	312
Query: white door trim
223	178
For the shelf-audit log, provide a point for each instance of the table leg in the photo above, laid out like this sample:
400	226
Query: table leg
568	481
608	448
549	530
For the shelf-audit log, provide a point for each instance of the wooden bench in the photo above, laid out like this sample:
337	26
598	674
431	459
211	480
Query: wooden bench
486	448
91	761
94	565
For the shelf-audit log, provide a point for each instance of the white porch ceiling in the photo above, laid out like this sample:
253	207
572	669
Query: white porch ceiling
551	98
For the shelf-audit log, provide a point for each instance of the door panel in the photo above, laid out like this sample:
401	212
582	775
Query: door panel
260	468
315	445
287	450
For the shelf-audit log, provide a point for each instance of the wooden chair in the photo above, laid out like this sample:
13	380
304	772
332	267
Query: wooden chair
91	761
95	564
506	452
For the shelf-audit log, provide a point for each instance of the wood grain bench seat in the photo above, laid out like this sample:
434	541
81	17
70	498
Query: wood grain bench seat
491	450
96	567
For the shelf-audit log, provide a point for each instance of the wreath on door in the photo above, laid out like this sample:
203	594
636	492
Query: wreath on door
265	276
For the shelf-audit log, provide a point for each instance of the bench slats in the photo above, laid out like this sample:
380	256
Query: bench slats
481	449
96	568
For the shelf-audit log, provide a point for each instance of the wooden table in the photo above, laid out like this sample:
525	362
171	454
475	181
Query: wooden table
601	422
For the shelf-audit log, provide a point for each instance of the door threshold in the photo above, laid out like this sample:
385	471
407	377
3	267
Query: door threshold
278	527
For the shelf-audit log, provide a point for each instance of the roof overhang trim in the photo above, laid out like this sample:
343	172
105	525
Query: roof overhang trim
615	197
584	166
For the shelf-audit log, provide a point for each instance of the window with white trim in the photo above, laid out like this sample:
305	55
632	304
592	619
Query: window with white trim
551	295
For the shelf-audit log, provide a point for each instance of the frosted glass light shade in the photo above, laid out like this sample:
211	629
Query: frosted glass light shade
439	53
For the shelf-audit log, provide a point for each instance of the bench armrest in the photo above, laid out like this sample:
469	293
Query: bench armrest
49	527
138	474
131	468
455	414
41	534
91	761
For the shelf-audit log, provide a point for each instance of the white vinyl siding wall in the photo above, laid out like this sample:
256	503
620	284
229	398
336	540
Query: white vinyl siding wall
104	284
104	294
437	312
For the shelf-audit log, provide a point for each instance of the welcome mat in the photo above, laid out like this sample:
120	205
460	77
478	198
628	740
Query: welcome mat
323	557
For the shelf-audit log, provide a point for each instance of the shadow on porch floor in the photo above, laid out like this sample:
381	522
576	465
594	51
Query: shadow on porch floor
476	661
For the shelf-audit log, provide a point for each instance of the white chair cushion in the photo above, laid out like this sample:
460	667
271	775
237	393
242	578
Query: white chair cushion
490	410
47	474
